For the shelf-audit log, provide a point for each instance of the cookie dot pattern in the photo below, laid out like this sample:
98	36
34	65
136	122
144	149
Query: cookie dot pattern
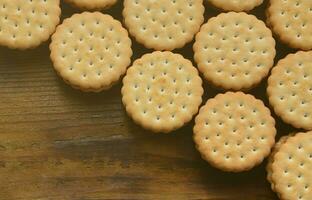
90	51
234	50
236	5
275	149
290	170
26	24
92	5
290	89
162	91
291	22
163	24
234	131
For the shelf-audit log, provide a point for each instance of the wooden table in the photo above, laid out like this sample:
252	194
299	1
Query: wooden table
59	143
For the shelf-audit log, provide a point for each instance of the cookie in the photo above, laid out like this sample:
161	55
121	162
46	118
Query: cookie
92	5
291	22
163	24
290	89
290	170
26	24
236	5
234	51
91	51
162	91
275	149
234	131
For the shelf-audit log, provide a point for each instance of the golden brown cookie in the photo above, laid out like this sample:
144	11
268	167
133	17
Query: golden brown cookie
290	170
290	89
275	149
291	22
27	23
91	51
234	131
162	91
234	50
163	24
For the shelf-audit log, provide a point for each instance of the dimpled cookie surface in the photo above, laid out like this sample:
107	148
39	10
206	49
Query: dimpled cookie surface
90	51
290	89
27	23
291	169
234	131
234	50
276	148
162	91
163	24
291	22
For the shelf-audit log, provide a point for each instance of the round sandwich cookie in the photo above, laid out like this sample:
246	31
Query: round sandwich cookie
162	91
91	51
92	5
291	22
234	51
290	89
236	5
26	24
289	169
234	131
163	24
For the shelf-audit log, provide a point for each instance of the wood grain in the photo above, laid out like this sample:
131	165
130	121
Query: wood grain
57	143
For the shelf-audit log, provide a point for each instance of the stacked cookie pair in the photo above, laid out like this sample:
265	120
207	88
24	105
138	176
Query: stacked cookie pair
234	131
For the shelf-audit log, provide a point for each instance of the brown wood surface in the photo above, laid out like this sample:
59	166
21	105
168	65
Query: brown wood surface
59	143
